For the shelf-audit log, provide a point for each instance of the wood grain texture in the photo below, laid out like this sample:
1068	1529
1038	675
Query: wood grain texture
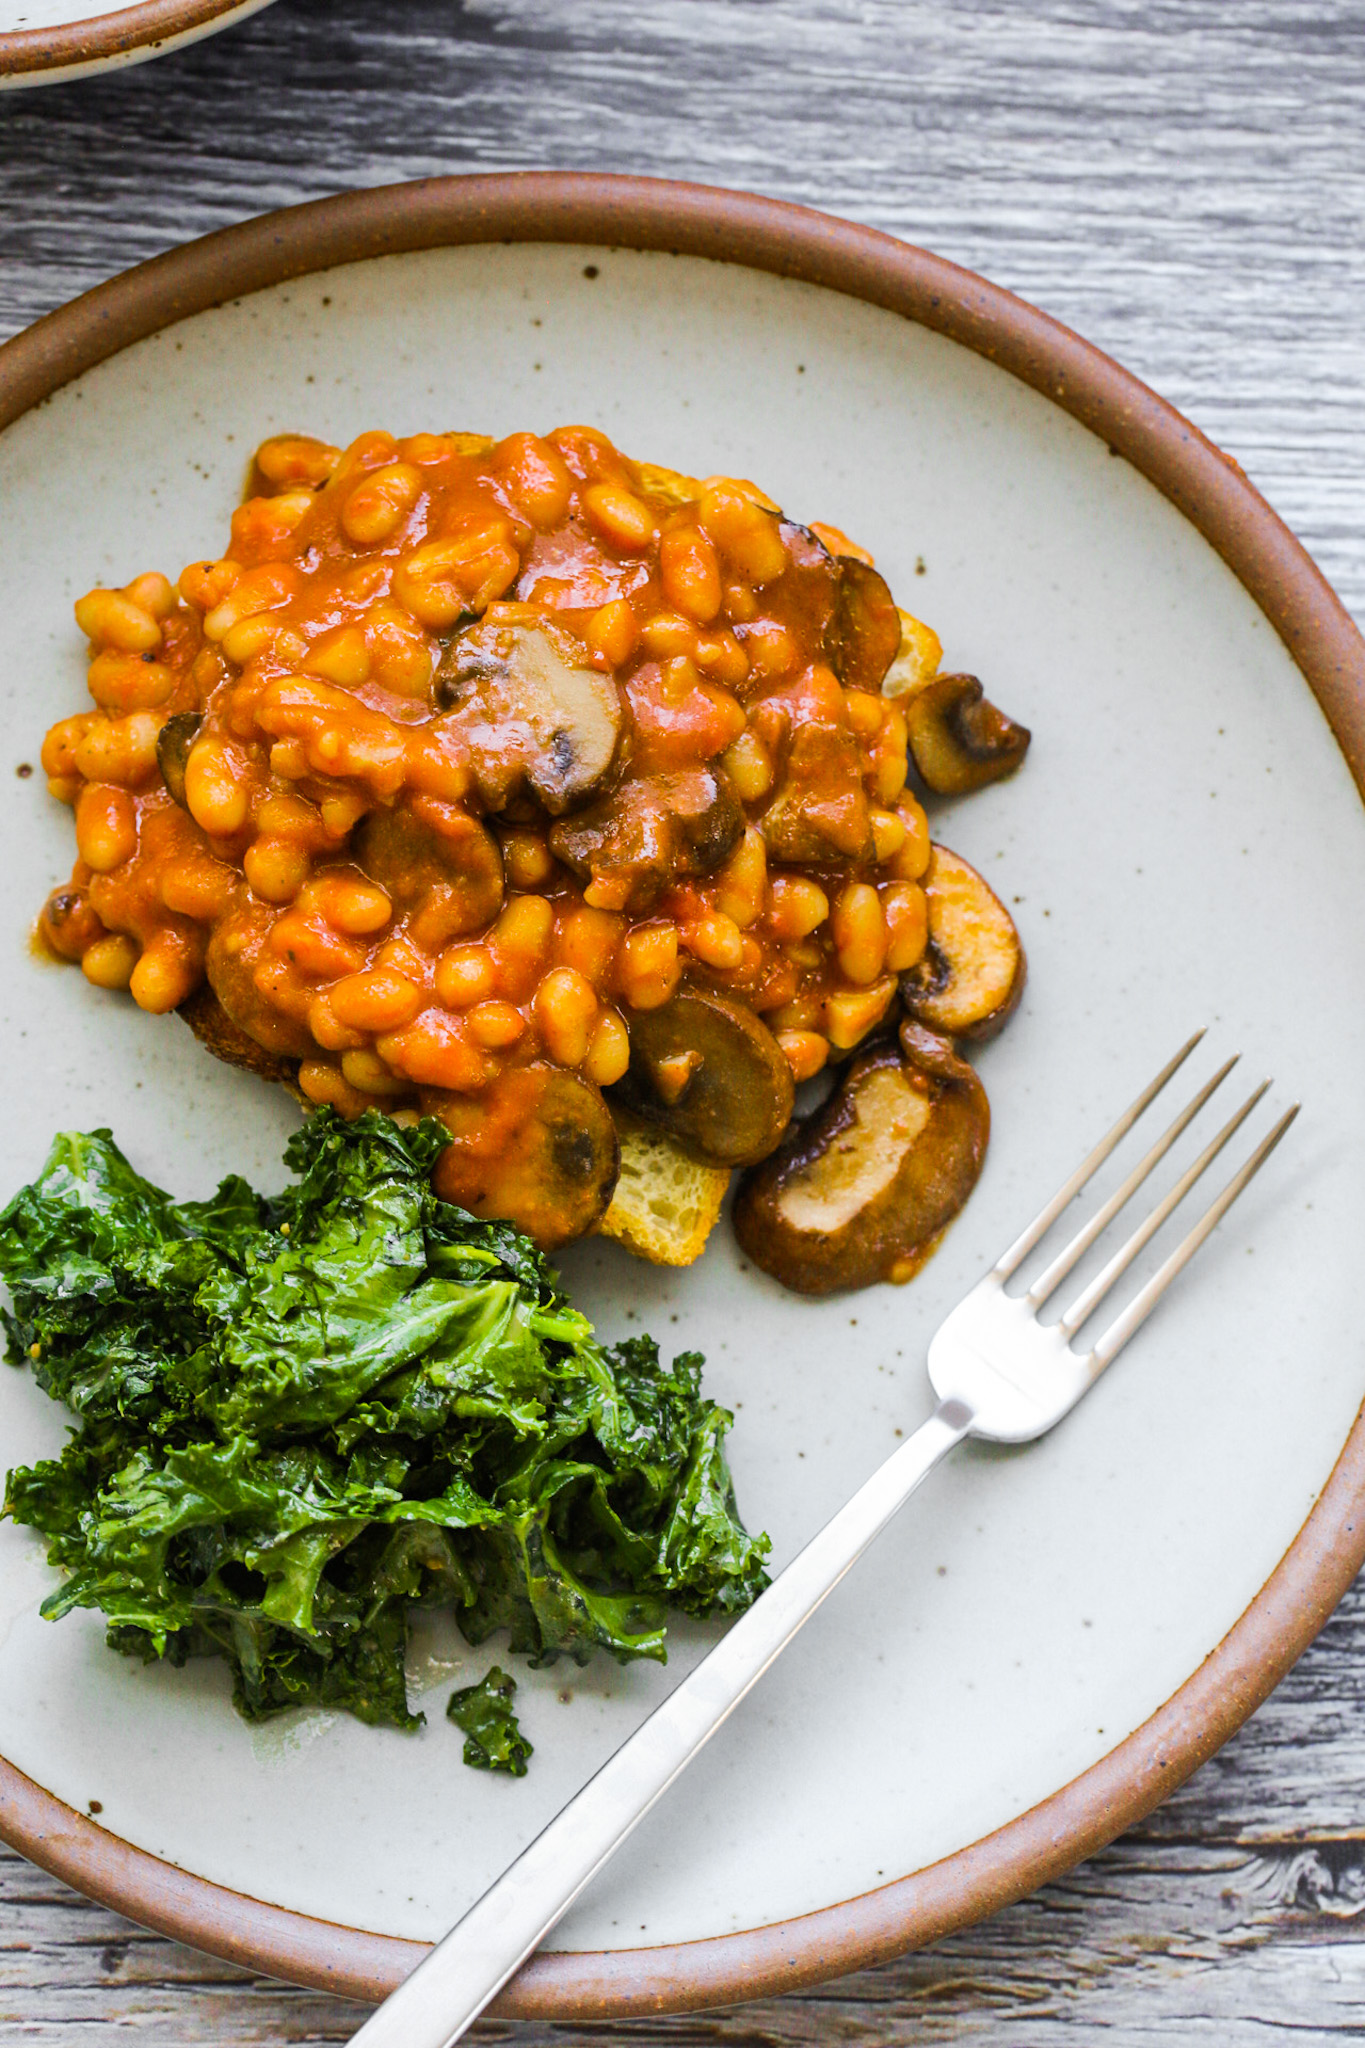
1183	183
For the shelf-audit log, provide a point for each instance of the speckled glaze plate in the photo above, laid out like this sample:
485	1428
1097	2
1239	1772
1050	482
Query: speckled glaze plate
46	42
1048	1640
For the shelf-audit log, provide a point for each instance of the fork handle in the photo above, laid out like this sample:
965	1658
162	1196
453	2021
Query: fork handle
450	1987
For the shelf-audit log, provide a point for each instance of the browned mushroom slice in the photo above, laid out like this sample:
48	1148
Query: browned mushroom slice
453	879
531	710
820	812
971	975
807	590
705	1070
863	1189
932	1054
538	1150
226	1040
958	738
651	831
864	635
173	744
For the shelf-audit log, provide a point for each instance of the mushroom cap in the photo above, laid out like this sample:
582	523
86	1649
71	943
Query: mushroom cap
706	1070
960	741
863	1189
532	710
972	972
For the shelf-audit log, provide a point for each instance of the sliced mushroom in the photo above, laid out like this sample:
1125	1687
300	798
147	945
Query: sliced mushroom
454	877
863	636
807	591
931	1054
971	975
958	738
704	1069
864	1188
173	744
538	1150
652	831
820	813
531	710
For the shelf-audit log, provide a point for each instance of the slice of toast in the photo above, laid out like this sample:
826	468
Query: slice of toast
666	1203
215	1030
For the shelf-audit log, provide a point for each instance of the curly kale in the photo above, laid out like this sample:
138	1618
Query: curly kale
299	1417
493	1740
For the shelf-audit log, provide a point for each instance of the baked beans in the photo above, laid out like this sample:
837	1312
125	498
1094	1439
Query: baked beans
463	752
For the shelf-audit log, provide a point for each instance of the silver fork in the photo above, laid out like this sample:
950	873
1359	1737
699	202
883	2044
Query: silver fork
999	1374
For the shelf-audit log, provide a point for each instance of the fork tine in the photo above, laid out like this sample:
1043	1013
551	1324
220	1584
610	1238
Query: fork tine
1048	1281
1142	1304
1085	1304
1091	1164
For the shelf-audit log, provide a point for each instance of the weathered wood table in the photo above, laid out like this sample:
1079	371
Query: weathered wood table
1185	184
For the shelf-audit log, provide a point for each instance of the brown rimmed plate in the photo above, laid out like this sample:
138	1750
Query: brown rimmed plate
54	45
1048	1641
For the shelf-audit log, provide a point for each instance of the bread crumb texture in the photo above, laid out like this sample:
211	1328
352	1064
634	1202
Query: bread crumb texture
666	1204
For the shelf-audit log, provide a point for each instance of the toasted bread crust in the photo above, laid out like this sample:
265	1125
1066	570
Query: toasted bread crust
213	1027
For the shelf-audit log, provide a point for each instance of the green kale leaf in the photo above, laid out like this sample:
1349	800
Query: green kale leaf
299	1417
493	1741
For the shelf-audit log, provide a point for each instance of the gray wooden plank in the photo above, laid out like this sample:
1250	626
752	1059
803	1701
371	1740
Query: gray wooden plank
1219	1943
1181	182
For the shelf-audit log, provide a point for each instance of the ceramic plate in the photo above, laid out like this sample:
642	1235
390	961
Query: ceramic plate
1048	1638
46	42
